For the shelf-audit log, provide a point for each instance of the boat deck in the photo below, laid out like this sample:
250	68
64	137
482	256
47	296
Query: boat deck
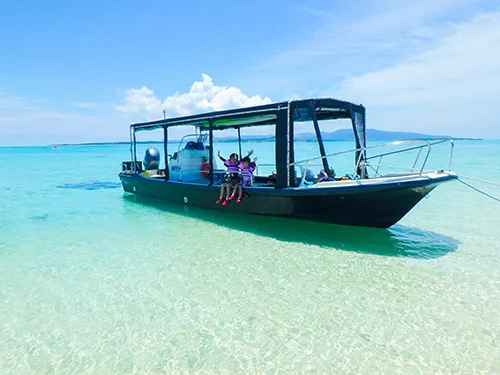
270	181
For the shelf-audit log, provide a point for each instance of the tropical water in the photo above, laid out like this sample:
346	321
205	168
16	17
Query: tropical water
94	281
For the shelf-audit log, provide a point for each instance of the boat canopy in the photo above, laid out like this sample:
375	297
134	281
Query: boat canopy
282	116
325	109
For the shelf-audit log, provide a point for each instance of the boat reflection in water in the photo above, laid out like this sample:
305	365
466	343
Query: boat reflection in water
398	241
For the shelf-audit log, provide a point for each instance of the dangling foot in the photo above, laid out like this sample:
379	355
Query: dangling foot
225	202
238	200
230	198
219	200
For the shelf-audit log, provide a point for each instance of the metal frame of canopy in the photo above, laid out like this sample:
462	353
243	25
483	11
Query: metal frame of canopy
281	115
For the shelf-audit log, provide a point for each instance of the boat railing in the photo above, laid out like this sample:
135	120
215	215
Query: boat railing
196	170
266	167
219	174
364	162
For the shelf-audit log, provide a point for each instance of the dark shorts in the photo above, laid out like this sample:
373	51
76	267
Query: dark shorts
233	178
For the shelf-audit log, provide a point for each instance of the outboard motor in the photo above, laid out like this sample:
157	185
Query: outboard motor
151	159
309	175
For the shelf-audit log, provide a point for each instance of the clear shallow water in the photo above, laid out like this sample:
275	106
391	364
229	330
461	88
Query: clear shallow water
93	281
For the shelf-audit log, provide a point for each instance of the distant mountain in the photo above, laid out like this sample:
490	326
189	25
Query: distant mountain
256	137
344	135
338	135
371	135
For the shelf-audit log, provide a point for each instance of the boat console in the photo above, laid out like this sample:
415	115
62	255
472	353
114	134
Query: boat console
190	162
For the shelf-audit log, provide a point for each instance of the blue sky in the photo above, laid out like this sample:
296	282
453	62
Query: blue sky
82	71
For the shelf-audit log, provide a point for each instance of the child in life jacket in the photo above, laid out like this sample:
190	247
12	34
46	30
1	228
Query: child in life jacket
232	176
246	169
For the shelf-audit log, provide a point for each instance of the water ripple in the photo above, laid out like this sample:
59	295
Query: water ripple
91	185
398	241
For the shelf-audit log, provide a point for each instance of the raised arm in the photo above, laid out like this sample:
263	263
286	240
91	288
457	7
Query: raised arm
253	165
220	157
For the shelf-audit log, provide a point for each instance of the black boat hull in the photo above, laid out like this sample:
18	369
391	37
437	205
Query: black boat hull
371	205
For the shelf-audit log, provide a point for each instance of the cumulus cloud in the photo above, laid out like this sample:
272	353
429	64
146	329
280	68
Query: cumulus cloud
142	104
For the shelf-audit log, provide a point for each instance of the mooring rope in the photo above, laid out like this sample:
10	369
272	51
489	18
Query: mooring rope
478	180
479	191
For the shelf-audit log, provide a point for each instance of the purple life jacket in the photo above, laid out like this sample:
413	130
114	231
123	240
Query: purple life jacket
231	168
246	173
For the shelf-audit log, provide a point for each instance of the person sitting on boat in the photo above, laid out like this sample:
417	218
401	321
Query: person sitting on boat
246	168
232	176
323	177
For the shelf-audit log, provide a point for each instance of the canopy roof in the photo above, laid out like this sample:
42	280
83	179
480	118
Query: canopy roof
326	109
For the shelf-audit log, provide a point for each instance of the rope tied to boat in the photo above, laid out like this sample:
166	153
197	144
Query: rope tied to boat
478	180
478	190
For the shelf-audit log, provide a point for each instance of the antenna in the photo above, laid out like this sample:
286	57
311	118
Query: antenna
164	114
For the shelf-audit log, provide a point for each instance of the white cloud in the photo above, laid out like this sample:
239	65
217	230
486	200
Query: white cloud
450	88
348	41
142	104
14	103
429	66
464	65
24	121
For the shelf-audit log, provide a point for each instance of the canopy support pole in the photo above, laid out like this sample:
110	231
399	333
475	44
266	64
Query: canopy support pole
239	143
165	150
211	152
312	114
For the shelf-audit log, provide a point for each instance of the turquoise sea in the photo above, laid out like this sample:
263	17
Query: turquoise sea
93	281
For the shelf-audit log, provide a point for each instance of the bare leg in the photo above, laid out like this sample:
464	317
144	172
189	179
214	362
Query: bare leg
241	191
222	187
234	191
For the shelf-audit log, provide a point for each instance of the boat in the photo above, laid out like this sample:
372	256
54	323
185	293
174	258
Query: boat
372	194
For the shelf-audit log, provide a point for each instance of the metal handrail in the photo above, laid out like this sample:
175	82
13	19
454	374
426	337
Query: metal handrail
264	165
362	160
215	170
